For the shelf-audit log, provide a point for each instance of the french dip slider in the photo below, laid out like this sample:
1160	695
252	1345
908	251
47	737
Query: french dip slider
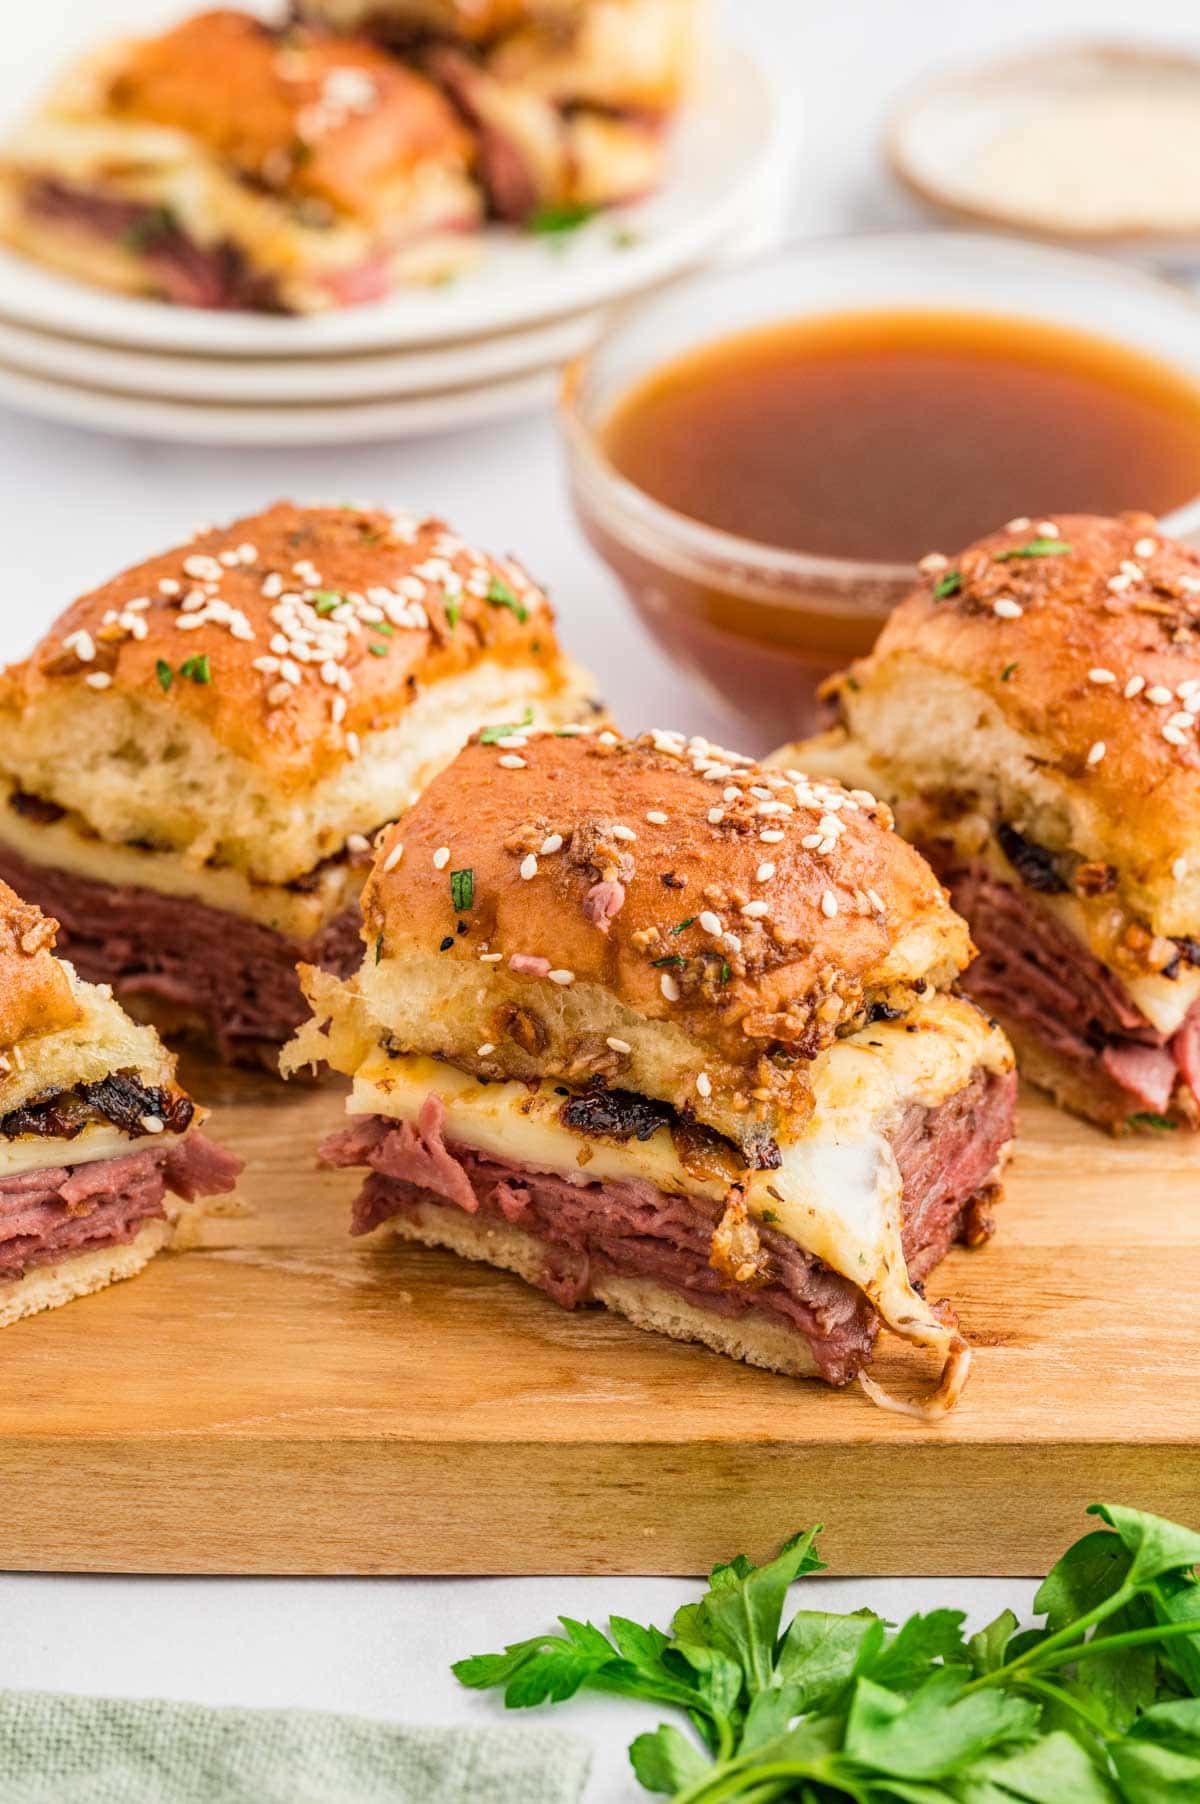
194	759
1030	711
100	1160
227	163
567	101
657	1028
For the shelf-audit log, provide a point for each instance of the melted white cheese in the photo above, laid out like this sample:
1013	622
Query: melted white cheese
837	1192
33	1152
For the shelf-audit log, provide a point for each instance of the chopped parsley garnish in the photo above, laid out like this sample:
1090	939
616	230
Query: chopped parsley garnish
674	959
1007	672
554	221
769	1218
624	239
325	600
462	891
949	584
383	626
1099	1703
726	973
1035	548
453	610
196	669
166	675
490	735
378	651
150	229
501	596
1162	1123
683	924
378	948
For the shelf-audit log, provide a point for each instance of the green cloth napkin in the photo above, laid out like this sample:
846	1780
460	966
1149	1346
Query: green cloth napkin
82	1750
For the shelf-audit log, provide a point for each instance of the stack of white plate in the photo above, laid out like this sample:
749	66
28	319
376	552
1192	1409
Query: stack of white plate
488	344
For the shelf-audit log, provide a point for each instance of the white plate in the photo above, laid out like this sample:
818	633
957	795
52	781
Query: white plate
718	152
162	375
358	422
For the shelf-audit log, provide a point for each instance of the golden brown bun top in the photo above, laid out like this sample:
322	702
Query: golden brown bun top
748	907
315	115
291	633
1085	633
35	990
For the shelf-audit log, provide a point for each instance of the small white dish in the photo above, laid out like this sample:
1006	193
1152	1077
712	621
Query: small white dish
1089	143
720	150
197	423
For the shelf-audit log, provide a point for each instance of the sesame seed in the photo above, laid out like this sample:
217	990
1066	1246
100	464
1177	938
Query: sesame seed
352	744
529	866
490	958
153	1124
99	679
656	817
1174	735
732	942
703	1083
1118	584
618	1045
1100	675
621	832
1133	687
510	761
1022	523
1097	752
668	986
710	922
771	836
483	1051
357	842
754	911
277	693
441	858
1145	548
552	843
716	816
1047	529
876	900
932	562
732	793
1007	609
1179	869
811	841
764	873
168	586
1182	719
829	905
563	977
1159	695
607	738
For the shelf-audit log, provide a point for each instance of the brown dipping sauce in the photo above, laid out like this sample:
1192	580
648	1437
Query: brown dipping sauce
877	437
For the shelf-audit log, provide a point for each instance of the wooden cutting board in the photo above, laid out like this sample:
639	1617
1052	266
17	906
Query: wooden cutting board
286	1399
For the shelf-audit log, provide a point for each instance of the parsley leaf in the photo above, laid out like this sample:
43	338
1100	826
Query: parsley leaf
166	675
501	596
462	891
196	669
1144	1118
1100	1705
1035	548
490	735
554	221
949	584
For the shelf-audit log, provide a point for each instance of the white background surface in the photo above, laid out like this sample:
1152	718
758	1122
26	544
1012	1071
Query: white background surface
76	507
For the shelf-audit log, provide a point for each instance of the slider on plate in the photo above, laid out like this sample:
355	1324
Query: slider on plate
657	1028
226	163
1030	711
567	102
100	1160
194	758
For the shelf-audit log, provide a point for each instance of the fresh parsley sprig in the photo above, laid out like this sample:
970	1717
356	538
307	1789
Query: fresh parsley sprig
1100	1705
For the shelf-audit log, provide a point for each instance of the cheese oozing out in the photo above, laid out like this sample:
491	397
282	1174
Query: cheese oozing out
837	1191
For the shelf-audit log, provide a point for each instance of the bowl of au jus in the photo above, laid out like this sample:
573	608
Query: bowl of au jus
762	456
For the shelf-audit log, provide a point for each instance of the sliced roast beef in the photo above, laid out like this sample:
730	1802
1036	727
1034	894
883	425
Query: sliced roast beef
1036	974
51	1214
946	1156
238	977
190	274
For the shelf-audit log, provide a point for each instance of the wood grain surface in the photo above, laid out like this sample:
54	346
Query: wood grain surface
286	1399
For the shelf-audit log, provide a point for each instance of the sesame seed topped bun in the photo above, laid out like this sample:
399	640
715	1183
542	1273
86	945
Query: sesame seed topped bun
656	913
1053	672
260	694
